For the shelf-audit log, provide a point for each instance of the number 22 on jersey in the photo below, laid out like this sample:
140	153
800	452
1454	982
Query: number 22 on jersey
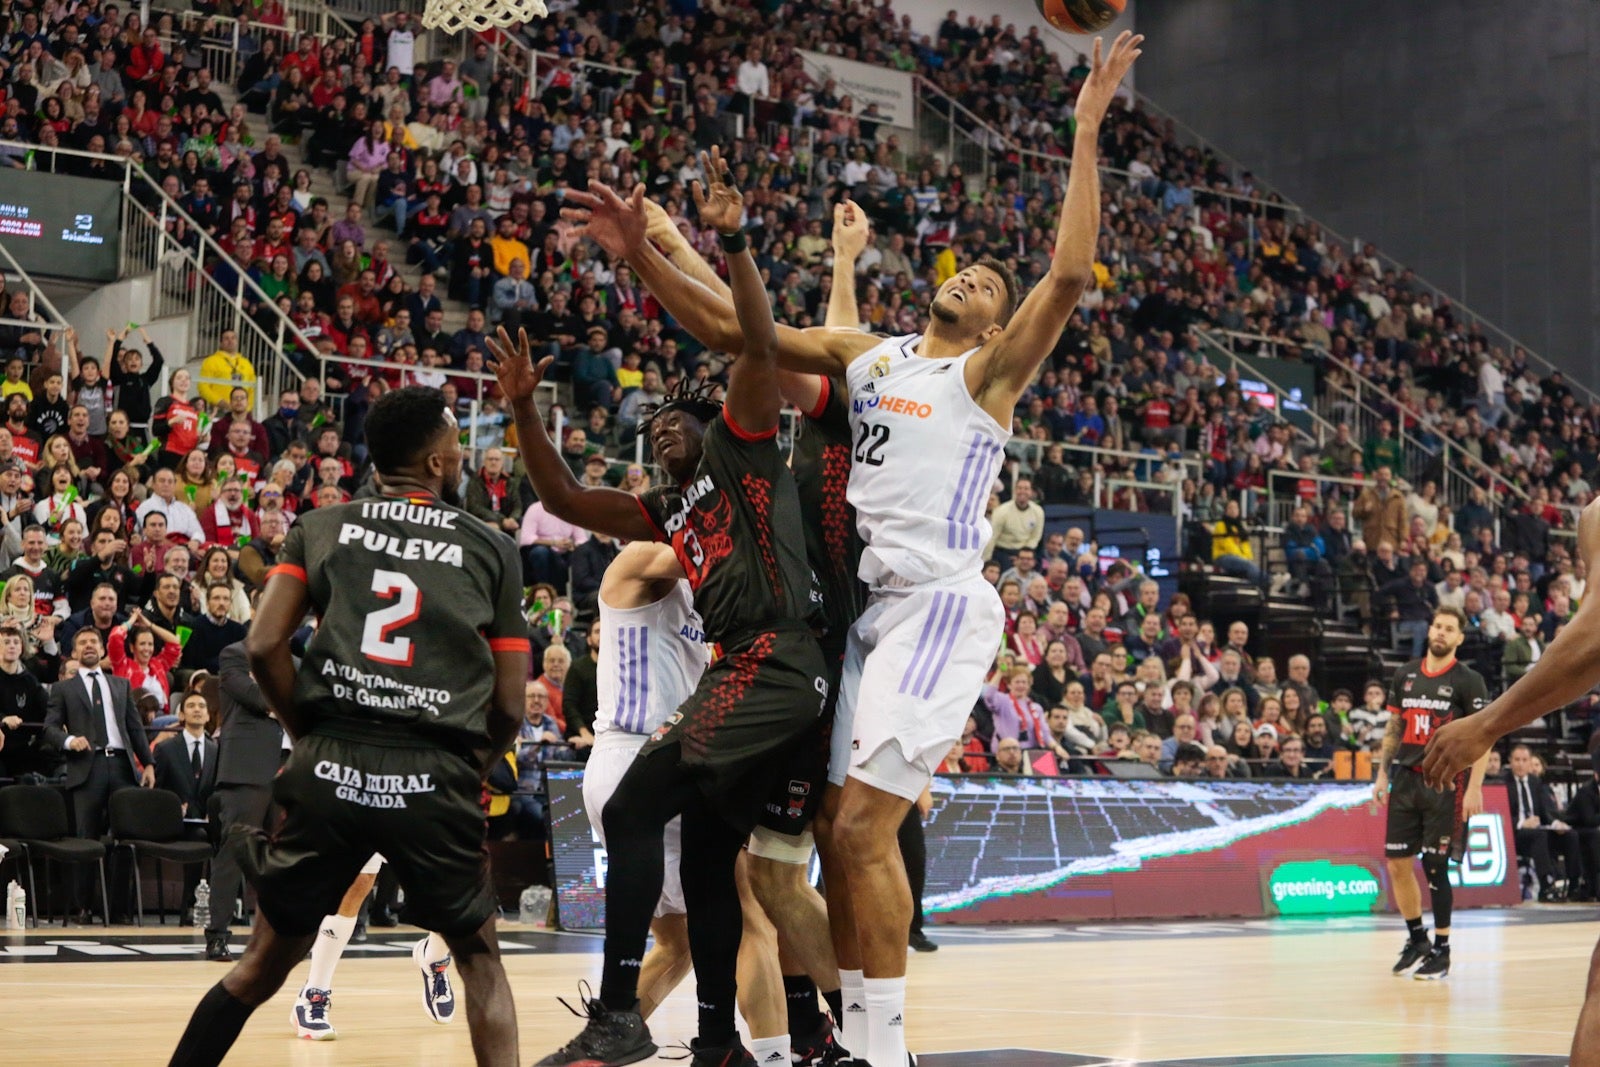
377	640
870	441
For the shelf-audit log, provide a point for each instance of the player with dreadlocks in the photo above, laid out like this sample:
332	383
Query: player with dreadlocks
732	518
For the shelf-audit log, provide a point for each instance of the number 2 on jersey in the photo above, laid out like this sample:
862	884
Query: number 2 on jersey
376	644
869	443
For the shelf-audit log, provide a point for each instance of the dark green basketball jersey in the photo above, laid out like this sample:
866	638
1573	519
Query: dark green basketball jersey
413	598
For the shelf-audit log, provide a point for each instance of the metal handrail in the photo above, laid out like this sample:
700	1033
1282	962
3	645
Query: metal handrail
1325	429
1127	457
184	285
1456	480
35	293
1477	319
1200	141
301	16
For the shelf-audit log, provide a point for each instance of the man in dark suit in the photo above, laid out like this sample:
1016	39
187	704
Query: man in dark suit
1583	814
250	748
94	721
187	765
1538	825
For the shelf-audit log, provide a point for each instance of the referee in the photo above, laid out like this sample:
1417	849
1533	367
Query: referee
1427	694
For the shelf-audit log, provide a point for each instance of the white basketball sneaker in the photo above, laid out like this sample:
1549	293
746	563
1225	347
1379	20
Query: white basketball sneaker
310	1015
438	998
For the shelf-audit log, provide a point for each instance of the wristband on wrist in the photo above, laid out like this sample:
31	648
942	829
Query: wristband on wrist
734	242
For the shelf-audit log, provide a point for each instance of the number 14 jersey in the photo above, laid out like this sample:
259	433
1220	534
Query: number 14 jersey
925	456
1425	702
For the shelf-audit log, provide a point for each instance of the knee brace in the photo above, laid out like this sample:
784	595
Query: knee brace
1437	870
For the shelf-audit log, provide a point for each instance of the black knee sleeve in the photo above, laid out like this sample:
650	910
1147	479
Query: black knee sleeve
1437	870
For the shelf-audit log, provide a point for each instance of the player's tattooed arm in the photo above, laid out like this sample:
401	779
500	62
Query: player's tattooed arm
1392	734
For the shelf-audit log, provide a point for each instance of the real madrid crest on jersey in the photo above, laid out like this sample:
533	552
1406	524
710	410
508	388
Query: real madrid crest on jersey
879	368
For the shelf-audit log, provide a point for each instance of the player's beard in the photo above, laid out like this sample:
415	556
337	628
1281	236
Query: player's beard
450	492
941	310
1439	651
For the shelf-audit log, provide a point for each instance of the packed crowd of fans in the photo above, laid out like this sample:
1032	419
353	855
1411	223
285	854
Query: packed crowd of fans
458	171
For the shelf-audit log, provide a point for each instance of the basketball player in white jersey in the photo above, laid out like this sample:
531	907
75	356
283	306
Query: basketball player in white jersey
930	415
652	653
309	1016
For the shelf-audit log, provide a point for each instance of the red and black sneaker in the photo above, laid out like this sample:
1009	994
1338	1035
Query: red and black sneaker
817	1049
734	1055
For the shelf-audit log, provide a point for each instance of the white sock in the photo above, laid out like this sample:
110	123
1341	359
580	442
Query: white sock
332	936
436	949
771	1050
853	1027
886	1030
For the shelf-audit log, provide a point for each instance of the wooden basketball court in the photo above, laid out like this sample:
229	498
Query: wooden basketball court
1278	989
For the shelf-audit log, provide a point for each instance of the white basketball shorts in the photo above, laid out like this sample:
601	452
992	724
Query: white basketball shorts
614	752
914	667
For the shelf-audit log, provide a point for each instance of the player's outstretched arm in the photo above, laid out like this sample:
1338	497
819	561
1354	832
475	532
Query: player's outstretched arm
660	228
610	511
1008	363
753	403
282	608
619	227
1569	668
851	230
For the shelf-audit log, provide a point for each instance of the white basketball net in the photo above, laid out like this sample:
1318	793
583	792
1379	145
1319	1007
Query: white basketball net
455	16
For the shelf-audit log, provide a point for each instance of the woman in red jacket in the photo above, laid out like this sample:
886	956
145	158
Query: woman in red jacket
143	669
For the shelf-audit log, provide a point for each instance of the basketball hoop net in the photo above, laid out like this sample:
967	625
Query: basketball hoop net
455	16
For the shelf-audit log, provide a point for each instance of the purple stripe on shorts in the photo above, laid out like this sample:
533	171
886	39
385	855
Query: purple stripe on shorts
626	670
624	680
630	702
958	501
923	644
943	655
938	648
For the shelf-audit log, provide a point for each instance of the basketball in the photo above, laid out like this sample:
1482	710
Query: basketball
1081	16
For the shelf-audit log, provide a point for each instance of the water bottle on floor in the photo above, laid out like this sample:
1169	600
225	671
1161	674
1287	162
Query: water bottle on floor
16	907
202	904
534	905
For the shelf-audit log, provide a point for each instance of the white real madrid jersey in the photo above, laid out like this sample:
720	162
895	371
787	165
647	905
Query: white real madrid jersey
651	658
924	459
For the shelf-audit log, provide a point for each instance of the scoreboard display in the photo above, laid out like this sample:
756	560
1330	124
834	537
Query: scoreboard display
62	226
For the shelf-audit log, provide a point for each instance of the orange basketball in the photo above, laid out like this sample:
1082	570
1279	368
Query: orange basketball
1080	16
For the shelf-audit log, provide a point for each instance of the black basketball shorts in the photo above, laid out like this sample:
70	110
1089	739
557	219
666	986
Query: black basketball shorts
1420	819
796	791
753	709
343	800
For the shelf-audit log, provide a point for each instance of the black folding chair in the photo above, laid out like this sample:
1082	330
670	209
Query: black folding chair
36	816
150	822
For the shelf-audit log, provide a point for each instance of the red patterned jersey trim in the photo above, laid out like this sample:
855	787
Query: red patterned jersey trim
758	491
